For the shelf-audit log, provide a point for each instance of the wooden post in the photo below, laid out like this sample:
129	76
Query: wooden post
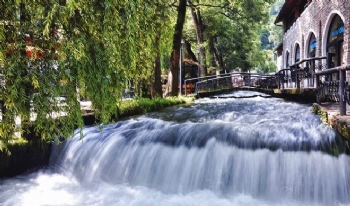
284	76
297	82
317	81
342	102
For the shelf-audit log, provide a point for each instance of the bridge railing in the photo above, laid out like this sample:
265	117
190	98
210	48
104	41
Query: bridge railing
214	84
332	86
228	81
190	85
300	74
330	83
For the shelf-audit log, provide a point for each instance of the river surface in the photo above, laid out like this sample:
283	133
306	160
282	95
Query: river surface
256	151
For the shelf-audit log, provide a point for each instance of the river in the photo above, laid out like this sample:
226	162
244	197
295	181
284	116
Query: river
257	151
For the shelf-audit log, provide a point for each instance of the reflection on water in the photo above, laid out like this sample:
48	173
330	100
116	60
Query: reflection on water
224	151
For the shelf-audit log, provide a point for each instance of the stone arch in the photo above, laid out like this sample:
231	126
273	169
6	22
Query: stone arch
326	31
286	62
311	34
296	52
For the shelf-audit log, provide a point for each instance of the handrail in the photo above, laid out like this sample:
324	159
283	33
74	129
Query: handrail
333	70
307	59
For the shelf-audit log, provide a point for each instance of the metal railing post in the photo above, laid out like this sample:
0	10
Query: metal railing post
342	102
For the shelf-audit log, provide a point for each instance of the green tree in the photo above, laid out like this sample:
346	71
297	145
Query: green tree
270	37
90	45
226	31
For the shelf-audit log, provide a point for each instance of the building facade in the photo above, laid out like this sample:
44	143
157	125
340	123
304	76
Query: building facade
315	28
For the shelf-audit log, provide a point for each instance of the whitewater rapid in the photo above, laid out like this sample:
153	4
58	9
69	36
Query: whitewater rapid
234	151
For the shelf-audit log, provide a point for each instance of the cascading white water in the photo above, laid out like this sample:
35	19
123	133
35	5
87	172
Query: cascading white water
256	151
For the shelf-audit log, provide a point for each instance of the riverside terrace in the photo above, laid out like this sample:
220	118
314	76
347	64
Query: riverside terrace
309	80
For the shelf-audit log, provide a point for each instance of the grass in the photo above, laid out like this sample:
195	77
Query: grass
142	105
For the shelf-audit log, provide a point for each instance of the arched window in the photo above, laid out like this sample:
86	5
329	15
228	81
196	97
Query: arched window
297	53
312	46
335	50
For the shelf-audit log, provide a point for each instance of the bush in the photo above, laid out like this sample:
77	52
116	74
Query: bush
143	105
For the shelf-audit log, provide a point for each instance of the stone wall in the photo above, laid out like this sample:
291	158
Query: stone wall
316	19
24	158
32	155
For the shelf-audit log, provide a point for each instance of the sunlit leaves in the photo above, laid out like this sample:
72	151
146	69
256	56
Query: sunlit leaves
234	27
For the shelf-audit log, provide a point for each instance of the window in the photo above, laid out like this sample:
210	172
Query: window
335	41
287	59
312	46
297	53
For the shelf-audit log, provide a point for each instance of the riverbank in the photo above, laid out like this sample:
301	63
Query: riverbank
31	152
329	114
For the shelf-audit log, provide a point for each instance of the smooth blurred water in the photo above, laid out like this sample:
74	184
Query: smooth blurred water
224	151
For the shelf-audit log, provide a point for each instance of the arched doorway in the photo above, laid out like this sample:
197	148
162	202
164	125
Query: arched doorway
335	40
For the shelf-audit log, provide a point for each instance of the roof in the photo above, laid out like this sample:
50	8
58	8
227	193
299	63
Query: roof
286	9
279	47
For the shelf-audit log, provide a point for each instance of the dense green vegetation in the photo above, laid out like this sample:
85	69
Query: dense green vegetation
92	49
270	37
126	108
139	106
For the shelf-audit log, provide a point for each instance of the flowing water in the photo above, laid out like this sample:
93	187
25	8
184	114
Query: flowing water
254	151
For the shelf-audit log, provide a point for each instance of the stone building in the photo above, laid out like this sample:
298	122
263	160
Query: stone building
315	28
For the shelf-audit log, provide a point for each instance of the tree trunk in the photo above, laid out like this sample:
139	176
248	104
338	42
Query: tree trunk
213	50
157	81
199	27
190	53
157	88
175	54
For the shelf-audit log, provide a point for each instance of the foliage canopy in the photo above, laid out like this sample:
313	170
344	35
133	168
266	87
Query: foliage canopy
50	49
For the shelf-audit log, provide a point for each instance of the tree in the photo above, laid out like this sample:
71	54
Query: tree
175	54
199	28
226	31
56	47
270	37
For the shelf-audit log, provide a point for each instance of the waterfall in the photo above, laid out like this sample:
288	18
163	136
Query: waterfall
253	151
